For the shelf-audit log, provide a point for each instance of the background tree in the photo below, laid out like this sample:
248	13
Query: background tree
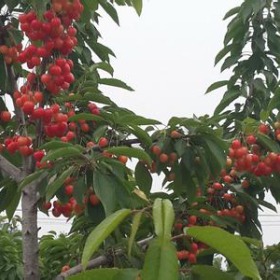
66	141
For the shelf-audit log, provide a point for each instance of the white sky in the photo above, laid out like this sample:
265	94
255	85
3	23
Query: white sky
167	56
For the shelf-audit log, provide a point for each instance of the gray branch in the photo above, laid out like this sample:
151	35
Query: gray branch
9	169
97	262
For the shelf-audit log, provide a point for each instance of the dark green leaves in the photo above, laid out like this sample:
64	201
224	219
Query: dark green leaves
110	10
216	86
58	182
60	153
143	178
101	232
115	83
237	252
228	98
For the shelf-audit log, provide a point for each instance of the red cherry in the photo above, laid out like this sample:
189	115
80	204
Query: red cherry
123	159
103	142
47	205
28	107
39	155
69	189
263	129
45	79
55	22
156	150
70	135
194	248
55	70
5	116
182	255
192	258
236	144
217	186
251	139
163	158
192	220
94	200
56	212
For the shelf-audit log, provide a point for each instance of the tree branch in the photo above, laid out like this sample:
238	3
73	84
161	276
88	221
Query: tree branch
10	170
101	260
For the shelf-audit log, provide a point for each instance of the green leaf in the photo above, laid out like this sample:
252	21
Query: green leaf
96	274
62	152
86	117
138	5
134	228
160	262
216	86
56	184
219	239
30	178
126	274
274	101
143	178
115	83
101	232
110	10
231	12
163	217
52	145
131	152
268	143
228	98
141	134
105	188
10	210
132	119
104	66
224	52
3	76
97	97
207	272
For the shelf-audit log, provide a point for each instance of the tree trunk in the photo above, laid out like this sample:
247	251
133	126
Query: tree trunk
30	233
29	225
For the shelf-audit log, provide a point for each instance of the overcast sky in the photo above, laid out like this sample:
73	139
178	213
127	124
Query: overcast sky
167	56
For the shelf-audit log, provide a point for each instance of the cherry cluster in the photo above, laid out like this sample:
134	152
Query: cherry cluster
71	207
10	53
19	143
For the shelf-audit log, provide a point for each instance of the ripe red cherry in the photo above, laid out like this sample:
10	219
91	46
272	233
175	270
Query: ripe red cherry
192	258
39	155
69	189
70	135
236	144
94	200
192	220
24	151
38	95
156	150
251	139
56	212
55	70
182	255
217	186
163	158
103	142
28	107
47	205
45	79
5	116
194	248
123	159
55	22
263	129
